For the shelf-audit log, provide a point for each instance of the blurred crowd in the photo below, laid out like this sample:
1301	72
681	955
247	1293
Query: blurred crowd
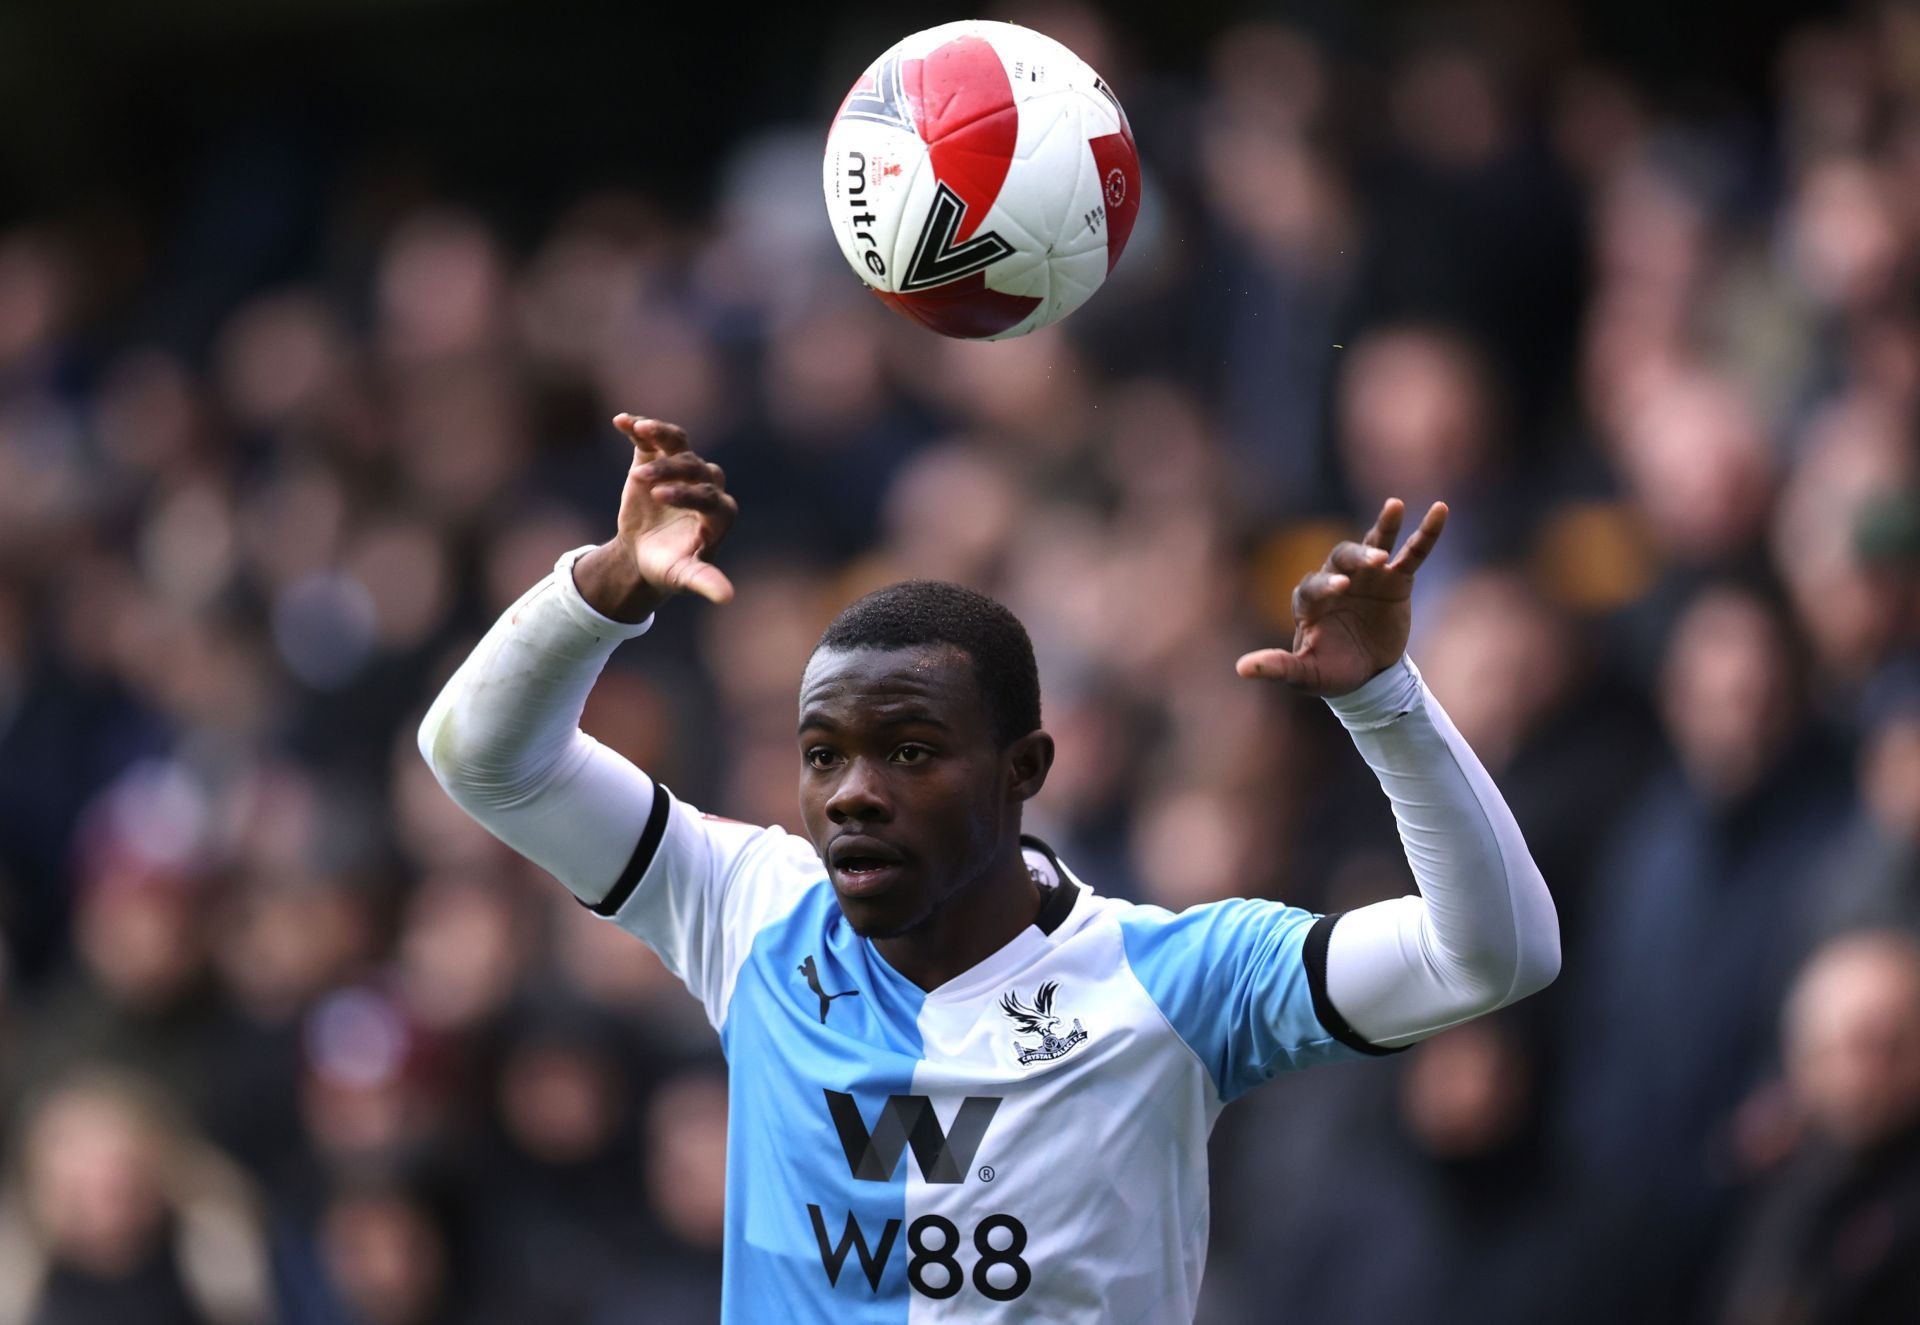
284	1037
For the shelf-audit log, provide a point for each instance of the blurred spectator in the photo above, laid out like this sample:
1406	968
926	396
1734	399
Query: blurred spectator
1855	601
116	1212
599	963
370	1096
559	1206
1418	422
67	727
389	1254
1568	745
462	949
1872	876
1280	261
145	998
1835	1236
1439	1189
1697	467
1698	906
686	1143
279	945
1471	221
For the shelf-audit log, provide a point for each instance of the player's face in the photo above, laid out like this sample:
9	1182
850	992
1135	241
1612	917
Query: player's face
905	791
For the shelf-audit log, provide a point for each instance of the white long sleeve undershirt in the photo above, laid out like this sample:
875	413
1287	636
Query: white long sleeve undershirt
503	738
1483	932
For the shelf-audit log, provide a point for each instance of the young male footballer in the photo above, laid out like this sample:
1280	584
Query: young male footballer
964	1085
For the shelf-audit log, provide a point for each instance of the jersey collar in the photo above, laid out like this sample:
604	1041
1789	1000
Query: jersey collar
1062	893
1058	890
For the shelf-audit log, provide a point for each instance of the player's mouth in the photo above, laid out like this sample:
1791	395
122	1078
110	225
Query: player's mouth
863	865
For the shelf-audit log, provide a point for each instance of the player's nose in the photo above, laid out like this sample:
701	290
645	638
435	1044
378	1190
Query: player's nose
860	795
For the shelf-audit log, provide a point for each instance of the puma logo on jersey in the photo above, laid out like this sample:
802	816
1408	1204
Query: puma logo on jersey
1038	1018
812	972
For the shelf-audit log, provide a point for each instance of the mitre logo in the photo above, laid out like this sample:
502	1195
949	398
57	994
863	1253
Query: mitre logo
1038	1018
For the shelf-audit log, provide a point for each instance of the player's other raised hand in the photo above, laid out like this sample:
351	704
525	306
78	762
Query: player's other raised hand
1351	617
674	510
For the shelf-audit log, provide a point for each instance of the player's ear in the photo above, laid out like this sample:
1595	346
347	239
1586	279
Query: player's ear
1028	760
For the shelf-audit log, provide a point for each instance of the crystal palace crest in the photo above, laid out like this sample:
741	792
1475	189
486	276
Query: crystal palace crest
1039	1018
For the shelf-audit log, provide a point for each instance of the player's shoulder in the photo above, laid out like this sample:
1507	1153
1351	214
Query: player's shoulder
1233	919
748	875
747	847
1226	930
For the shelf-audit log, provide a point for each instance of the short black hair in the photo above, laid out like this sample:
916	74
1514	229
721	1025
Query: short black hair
917	612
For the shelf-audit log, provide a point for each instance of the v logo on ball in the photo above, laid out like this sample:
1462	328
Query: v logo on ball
937	260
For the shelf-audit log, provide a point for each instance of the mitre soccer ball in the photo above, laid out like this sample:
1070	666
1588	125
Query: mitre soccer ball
981	179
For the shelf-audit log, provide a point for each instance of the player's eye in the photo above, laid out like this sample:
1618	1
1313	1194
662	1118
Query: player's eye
912	754
820	757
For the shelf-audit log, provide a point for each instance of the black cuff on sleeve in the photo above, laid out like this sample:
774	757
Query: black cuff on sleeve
643	856
1316	955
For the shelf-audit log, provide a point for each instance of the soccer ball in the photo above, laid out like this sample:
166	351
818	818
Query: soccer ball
981	179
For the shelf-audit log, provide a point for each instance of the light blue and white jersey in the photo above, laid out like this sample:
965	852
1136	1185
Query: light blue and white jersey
1025	1142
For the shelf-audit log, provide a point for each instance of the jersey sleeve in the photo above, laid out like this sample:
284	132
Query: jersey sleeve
1243	984
504	740
701	889
1483	931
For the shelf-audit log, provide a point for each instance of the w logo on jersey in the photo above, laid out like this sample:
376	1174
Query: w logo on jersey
909	1120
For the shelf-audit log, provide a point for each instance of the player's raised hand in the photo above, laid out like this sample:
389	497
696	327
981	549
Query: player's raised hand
1351	617
674	510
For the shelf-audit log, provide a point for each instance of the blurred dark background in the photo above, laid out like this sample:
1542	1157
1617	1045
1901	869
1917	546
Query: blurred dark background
311	319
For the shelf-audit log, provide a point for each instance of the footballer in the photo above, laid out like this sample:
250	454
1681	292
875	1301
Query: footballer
964	1085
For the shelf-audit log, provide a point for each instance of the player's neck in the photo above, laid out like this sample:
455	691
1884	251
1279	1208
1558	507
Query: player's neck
972	927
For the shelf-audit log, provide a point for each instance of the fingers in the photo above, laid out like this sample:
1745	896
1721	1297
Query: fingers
716	508
686	481
670	475
1375	550
1272	664
702	497
652	436
1315	592
1387	528
685	467
1357	558
1420	545
709	581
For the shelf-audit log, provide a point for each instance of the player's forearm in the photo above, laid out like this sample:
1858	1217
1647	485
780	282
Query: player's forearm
504	739
611	585
1483	931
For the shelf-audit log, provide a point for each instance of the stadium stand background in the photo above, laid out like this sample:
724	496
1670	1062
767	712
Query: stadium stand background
310	323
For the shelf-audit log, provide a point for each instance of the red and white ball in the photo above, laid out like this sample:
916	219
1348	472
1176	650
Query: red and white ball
981	179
